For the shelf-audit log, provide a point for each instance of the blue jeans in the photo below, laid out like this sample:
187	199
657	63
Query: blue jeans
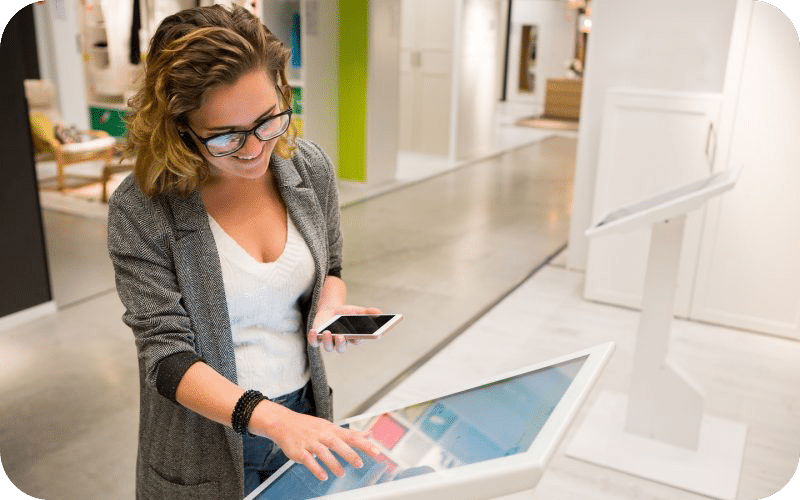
261	456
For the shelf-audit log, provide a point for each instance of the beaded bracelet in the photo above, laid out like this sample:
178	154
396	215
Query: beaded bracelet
236	417
248	411
240	419
244	410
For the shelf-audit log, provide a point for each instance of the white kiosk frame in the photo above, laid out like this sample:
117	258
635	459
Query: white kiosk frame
659	431
483	479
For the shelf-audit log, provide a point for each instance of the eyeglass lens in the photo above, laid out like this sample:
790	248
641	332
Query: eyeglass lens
269	129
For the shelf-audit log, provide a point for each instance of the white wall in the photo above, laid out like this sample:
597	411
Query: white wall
319	43
161	9
677	45
556	47
749	273
44	43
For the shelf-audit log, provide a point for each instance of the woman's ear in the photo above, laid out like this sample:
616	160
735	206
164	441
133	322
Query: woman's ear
187	141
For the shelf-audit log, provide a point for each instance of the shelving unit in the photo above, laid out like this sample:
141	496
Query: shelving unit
283	18
94	45
310	29
107	81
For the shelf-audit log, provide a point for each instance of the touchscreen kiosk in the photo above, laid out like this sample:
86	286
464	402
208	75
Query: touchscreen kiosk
491	439
668	438
667	205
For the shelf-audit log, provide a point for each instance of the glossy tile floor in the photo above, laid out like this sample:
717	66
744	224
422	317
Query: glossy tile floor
443	251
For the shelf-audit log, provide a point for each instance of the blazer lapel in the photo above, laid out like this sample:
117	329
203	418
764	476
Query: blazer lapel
200	275
304	209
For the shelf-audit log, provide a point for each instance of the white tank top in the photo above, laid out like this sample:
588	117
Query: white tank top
263	304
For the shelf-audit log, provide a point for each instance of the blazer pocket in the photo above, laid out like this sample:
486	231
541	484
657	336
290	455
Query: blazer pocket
157	487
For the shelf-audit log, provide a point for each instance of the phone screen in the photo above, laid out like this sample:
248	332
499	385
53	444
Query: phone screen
358	324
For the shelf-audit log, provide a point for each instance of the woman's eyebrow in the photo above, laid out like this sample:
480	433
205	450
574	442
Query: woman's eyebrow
226	128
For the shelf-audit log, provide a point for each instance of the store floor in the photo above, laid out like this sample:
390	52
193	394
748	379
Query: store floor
443	251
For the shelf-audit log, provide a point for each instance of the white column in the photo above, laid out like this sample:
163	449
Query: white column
383	91
67	63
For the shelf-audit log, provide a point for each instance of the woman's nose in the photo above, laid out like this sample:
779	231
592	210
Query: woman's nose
252	146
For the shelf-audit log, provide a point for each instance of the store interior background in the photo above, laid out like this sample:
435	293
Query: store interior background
673	91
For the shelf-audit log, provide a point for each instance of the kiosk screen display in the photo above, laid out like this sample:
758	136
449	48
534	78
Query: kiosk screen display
490	421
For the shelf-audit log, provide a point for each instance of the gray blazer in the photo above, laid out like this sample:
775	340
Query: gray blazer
169	279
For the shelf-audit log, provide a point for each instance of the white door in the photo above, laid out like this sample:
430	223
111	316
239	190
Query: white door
651	142
426	52
749	267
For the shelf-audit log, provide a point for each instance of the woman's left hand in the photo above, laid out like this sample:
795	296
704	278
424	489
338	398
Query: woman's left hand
328	340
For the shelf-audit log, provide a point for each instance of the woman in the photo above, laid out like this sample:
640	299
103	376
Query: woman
227	247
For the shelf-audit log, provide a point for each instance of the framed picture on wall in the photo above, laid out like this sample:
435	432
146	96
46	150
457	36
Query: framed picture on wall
527	58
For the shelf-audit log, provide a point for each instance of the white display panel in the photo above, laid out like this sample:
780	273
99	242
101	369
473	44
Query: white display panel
482	441
667	205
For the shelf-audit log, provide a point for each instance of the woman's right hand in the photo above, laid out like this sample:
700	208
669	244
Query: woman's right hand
305	439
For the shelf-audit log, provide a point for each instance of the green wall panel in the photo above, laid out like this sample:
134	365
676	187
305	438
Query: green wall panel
353	41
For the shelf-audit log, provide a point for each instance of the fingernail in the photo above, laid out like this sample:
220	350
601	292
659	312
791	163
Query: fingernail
376	451
340	350
329	348
324	477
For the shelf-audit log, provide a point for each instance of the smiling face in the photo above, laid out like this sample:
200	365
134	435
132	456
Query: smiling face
237	107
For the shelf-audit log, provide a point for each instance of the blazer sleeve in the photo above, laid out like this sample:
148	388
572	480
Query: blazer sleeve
138	243
330	205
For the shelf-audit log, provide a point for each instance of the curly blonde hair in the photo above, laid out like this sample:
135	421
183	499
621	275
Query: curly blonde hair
191	53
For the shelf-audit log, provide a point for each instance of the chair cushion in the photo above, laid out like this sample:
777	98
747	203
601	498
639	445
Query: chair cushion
42	127
90	145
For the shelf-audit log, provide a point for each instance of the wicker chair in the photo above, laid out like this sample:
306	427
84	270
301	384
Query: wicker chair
99	145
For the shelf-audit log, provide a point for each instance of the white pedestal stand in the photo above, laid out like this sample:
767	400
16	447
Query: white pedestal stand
659	431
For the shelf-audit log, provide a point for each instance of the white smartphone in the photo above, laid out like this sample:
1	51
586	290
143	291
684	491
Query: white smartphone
360	326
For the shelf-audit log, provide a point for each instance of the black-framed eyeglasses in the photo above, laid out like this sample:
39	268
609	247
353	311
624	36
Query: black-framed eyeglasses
228	143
